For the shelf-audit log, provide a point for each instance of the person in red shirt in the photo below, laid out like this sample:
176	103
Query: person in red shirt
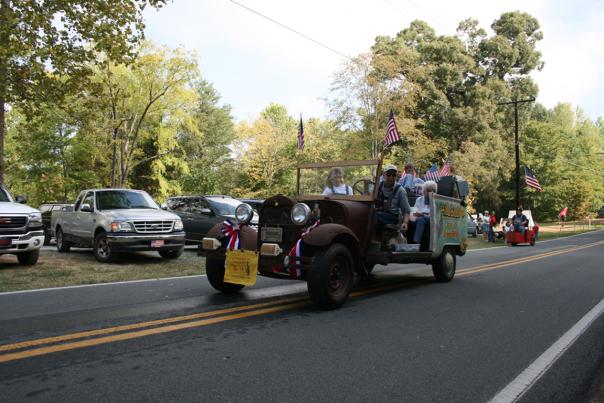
492	225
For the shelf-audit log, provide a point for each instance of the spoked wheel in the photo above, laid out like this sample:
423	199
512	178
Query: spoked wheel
330	278
215	273
444	266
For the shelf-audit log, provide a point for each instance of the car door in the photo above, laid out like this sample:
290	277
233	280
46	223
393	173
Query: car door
203	218
84	222
180	207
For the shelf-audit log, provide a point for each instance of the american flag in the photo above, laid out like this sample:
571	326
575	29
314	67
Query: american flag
432	174
301	135
446	169
392	135
530	179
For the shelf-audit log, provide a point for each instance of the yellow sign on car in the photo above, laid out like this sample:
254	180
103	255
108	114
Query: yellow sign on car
241	267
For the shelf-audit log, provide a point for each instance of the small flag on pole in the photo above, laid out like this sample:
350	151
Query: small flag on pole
432	174
392	135
563	212
446	169
301	135
531	179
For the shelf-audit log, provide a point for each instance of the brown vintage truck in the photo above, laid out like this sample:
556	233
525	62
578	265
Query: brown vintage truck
325	239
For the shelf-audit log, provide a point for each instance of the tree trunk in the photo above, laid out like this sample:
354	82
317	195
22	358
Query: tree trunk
2	105
4	36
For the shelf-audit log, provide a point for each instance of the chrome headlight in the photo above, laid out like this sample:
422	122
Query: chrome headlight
178	225
121	226
244	213
300	213
35	218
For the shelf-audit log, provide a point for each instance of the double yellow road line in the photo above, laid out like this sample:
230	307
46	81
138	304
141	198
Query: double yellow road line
72	341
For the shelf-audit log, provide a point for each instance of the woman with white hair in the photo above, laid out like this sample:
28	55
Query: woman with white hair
335	183
422	210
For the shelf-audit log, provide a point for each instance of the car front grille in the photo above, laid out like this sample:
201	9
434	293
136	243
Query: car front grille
153	227
13	222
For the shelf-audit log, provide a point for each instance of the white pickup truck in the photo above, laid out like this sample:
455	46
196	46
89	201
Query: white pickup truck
21	231
118	220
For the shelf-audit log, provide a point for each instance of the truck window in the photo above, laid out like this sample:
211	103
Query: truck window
198	205
89	199
123	199
78	202
178	204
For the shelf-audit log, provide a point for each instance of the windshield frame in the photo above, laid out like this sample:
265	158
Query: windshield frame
331	164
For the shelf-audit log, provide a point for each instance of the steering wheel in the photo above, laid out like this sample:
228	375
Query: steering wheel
363	186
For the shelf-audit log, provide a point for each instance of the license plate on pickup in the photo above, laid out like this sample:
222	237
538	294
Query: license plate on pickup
269	234
241	267
157	243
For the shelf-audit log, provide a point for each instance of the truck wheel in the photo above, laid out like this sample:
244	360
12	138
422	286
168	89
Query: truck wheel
215	273
101	249
28	258
444	266
62	244
329	280
171	254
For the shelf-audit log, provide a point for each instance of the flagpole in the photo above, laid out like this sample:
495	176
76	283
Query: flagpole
517	142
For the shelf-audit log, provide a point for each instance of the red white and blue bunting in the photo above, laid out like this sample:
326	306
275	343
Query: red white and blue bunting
231	231
296	252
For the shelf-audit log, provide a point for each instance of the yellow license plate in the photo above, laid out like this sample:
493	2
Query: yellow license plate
241	267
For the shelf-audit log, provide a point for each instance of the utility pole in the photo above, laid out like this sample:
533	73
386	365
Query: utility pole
517	142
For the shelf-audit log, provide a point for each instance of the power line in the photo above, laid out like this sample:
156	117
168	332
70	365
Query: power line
292	30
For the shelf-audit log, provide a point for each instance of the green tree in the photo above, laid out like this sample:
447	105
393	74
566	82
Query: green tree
47	47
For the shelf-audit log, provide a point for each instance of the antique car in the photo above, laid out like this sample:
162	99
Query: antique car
324	240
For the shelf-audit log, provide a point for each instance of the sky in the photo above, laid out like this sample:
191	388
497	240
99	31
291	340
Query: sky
253	62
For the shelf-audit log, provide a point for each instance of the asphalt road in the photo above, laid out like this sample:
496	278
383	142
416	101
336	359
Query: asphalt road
400	337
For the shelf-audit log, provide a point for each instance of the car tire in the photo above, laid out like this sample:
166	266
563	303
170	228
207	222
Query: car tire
28	258
443	267
171	254
329	280
102	250
62	244
215	274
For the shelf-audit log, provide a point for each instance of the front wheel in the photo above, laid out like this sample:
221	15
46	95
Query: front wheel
102	250
330	277
171	254
215	273
28	258
444	266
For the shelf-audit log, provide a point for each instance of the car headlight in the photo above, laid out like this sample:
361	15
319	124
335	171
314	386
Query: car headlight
35	219
121	226
244	213
178	225
300	213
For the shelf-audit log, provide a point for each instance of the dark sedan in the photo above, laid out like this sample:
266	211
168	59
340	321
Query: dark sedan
200	213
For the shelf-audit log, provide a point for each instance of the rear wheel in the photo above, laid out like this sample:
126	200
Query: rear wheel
28	258
444	266
171	254
215	273
62	244
330	278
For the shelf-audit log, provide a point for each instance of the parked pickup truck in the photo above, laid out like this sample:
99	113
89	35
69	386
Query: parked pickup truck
21	230
118	220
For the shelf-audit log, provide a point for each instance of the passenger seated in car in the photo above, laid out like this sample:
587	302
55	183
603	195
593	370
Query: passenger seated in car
335	183
391	199
422	210
519	221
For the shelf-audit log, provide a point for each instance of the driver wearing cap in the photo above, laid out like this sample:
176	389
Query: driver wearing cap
391	198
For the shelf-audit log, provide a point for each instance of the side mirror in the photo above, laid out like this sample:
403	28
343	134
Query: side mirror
21	199
86	207
164	206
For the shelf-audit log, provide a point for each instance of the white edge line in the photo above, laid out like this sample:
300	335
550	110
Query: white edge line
527	378
100	284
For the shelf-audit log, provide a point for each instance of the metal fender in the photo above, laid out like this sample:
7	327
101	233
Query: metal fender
324	234
248	237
